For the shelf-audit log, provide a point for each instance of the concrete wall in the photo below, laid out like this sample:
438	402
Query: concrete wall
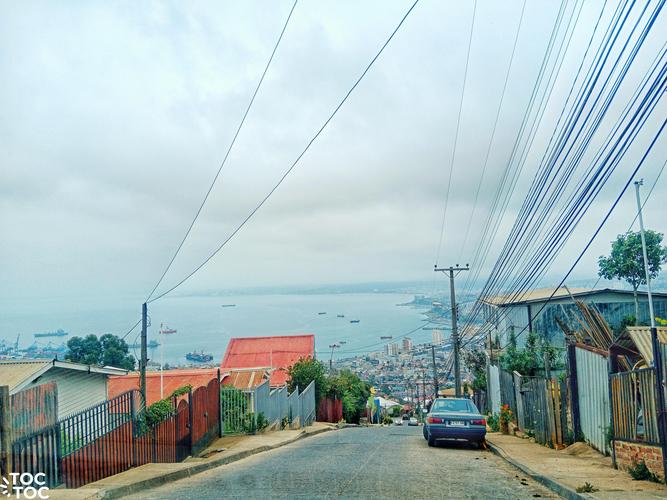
628	454
77	390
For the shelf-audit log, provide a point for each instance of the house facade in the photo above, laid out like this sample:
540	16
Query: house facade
537	311
79	386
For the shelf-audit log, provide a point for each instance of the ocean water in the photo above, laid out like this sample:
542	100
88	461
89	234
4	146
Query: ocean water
203	324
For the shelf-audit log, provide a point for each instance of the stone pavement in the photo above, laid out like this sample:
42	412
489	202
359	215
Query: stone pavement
222	451
392	462
571	468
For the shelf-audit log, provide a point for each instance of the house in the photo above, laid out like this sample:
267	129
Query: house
275	354
79	386
161	386
245	378
537	311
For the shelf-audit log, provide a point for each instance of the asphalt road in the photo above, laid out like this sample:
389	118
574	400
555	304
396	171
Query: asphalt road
377	462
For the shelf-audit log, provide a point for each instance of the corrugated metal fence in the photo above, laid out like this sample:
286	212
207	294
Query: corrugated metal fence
241	409
634	408
593	398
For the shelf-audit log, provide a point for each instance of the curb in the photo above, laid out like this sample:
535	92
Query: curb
558	488
196	468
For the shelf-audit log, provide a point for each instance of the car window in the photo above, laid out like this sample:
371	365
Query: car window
456	405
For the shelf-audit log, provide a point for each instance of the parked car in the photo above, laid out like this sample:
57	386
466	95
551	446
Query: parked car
413	421
454	419
406	416
398	421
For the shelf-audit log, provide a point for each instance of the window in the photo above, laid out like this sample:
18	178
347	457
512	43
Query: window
455	405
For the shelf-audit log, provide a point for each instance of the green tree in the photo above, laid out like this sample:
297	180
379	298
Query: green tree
526	361
303	372
353	391
475	360
108	350
626	261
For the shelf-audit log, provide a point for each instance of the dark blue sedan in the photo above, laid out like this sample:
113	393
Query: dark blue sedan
454	419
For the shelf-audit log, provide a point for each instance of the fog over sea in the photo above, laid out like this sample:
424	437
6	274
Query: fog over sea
203	324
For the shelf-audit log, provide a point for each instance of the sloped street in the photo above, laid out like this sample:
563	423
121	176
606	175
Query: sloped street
377	462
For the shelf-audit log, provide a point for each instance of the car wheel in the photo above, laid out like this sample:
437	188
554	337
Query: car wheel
431	441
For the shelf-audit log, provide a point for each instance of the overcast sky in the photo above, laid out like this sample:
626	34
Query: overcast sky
114	117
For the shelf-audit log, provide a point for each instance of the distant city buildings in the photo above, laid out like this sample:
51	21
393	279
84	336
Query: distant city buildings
407	345
391	349
436	337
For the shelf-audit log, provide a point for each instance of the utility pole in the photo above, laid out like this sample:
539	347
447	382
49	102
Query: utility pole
657	351
332	347
144	354
435	373
424	387
455	332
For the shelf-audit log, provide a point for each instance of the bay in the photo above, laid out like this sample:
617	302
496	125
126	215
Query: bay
203	324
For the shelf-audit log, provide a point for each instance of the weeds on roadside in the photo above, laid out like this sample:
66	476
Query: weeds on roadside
587	488
640	472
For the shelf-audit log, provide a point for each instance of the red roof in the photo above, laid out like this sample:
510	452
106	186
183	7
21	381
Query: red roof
279	353
173	379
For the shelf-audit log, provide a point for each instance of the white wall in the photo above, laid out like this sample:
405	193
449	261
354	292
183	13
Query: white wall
77	390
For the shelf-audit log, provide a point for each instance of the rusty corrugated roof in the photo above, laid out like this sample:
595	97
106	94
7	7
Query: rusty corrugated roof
277	352
641	336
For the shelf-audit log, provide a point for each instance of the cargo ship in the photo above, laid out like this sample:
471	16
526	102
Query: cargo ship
385	337
228	305
355	320
340	315
58	333
321	313
165	330
150	345
199	357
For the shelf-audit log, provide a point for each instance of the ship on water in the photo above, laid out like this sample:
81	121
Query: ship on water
385	337
151	345
199	357
340	315
58	333
355	320
165	330
228	305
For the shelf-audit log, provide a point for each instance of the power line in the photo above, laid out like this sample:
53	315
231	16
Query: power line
131	329
296	161
229	149
456	134
493	132
604	220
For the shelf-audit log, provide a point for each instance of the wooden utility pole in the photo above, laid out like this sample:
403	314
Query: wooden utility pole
435	373
455	334
144	353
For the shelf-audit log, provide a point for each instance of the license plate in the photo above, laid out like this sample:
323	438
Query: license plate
457	423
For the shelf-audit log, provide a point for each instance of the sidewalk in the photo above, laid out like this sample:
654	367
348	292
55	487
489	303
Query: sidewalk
564	470
151	475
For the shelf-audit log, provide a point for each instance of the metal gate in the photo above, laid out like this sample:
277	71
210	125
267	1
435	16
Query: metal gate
236	411
593	390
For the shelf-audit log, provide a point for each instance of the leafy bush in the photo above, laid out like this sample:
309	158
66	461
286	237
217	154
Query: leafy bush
262	422
387	420
493	421
640	472
587	488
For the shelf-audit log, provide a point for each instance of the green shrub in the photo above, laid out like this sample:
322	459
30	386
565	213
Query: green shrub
587	488
493	421
262	422
640	472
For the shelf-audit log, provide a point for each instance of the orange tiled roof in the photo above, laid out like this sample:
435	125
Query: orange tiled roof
278	352
173	379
